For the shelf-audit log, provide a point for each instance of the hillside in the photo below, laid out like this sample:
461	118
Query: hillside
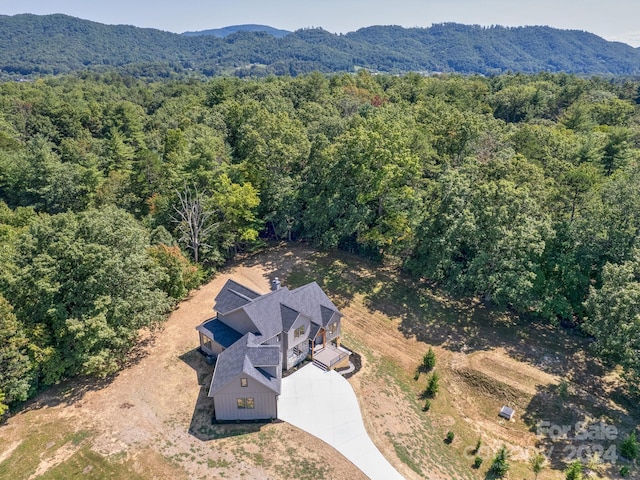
226	31
58	43
128	427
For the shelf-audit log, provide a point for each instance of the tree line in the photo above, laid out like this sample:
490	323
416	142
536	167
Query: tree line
117	196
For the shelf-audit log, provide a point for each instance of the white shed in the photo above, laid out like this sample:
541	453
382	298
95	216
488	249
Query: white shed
507	412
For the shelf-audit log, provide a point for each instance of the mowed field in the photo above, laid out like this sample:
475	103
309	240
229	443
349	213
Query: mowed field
153	419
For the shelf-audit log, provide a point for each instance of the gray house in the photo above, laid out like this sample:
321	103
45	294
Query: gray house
255	337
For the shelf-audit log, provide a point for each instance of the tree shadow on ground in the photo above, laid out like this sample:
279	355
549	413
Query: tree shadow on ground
71	392
467	325
574	423
68	393
299	264
203	425
427	313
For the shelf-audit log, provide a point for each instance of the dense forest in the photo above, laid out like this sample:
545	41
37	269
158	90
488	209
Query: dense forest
226	31
38	45
117	196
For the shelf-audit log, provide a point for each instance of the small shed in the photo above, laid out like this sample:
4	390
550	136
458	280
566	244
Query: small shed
507	412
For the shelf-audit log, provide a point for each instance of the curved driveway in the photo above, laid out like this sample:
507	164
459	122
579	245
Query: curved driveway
324	405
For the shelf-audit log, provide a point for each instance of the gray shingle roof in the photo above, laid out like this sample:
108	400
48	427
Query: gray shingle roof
265	312
221	333
289	317
313	330
244	357
313	302
264	355
326	314
233	296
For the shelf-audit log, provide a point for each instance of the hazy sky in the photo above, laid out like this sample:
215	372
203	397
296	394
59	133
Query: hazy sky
611	19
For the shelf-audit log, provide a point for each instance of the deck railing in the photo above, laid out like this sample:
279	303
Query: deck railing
338	359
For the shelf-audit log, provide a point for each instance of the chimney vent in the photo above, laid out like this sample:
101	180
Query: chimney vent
275	284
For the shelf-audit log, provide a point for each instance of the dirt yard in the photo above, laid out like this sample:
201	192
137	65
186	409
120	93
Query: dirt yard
153	419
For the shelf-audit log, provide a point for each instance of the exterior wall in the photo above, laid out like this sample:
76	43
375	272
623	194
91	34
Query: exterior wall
333	336
344	363
239	321
292	358
291	341
274	371
226	401
209	345
226	406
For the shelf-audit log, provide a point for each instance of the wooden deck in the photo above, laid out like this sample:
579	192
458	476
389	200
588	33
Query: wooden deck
331	357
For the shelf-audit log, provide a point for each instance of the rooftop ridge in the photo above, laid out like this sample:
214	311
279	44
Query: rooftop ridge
241	295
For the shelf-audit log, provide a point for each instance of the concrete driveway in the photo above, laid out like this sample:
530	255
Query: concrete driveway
324	405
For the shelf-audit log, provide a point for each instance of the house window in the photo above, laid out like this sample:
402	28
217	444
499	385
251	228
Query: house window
333	328
246	403
298	332
206	342
244	382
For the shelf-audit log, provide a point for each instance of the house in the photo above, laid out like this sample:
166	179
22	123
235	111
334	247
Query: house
255	337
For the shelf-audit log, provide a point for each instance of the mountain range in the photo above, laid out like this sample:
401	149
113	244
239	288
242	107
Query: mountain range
50	44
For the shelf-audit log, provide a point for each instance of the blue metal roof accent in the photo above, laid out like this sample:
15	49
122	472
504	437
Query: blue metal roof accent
221	333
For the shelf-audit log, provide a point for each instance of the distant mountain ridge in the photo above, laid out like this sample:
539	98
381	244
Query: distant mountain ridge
226	31
36	45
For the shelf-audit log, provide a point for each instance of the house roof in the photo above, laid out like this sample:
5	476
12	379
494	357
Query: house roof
277	311
313	302
266	314
313	330
220	332
272	313
289	317
233	296
246	356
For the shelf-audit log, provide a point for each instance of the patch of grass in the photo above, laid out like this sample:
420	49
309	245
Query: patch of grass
43	440
405	456
492	388
220	463
86	463
304	469
78	437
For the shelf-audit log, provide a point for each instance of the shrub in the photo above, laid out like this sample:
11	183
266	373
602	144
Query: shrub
629	447
427	405
537	463
500	465
477	461
478	445
433	385
574	471
625	471
563	389
428	361
450	436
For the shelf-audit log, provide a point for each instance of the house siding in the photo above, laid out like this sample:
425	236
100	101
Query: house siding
226	406
226	401
212	347
239	321
291	340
